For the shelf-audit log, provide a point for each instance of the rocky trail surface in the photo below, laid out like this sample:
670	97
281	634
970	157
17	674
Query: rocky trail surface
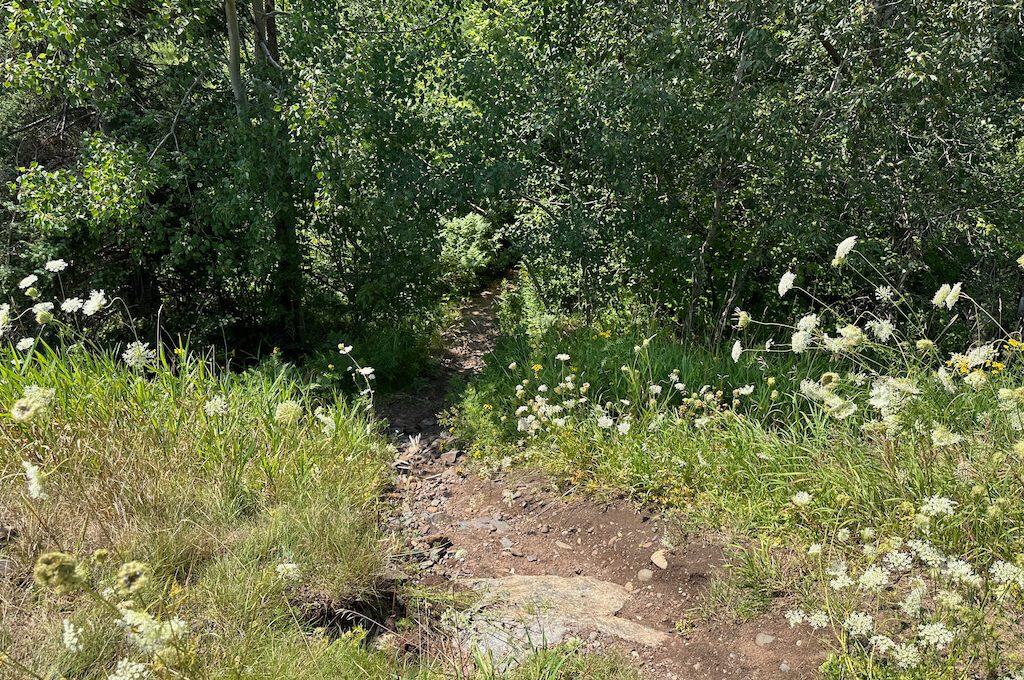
542	567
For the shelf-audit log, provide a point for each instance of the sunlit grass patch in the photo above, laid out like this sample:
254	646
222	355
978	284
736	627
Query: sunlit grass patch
239	509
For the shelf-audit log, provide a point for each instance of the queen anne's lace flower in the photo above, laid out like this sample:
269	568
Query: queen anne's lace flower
216	406
737	351
71	636
882	329
97	301
845	247
129	670
874	578
786	283
801	499
859	624
289	571
942	437
55	266
138	355
288	413
935	635
34	480
28	281
818	620
905	656
800	342
934	506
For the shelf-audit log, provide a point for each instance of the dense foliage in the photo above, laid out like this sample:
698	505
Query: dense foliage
275	174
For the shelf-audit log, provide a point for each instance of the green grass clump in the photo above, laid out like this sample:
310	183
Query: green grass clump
205	478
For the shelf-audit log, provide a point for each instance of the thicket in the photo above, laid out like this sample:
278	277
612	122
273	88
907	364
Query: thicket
274	173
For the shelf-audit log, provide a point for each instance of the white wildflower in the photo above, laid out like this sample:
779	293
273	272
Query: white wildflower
97	301
149	634
605	422
939	299
55	266
28	281
35	401
818	620
961	572
654	390
562	357
882	644
71	637
843	250
899	561
288	413
623	427
935	635
25	344
737	351
288	571
942	437
138	355
884	293
937	505
786	283
34	480
859	624
953	295
882	329
129	670
795	617
800	342
71	305
801	499
1006	573
344	349
927	553
976	378
43	312
905	656
814	549
946	379
216	406
807	323
874	578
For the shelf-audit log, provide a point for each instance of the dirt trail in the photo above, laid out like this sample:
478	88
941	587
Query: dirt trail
549	566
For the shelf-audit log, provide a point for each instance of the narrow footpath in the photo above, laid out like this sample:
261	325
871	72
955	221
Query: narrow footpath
544	567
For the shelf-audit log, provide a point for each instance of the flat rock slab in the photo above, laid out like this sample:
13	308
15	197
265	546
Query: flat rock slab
520	613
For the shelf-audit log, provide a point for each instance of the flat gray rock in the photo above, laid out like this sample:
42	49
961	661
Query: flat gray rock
521	613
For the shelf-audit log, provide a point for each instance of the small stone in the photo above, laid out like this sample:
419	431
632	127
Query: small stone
460	554
784	667
645	575
563	546
506	543
763	639
531	558
659	559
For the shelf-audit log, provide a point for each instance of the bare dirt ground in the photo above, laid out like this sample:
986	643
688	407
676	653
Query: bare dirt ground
548	566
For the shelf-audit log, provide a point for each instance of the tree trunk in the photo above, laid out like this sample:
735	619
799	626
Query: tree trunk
235	58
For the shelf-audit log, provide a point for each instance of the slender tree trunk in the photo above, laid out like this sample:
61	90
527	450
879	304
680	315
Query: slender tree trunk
235	58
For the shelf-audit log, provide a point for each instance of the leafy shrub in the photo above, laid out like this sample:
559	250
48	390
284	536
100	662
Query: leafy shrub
469	247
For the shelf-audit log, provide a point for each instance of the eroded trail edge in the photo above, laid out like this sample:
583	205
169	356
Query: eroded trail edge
542	567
